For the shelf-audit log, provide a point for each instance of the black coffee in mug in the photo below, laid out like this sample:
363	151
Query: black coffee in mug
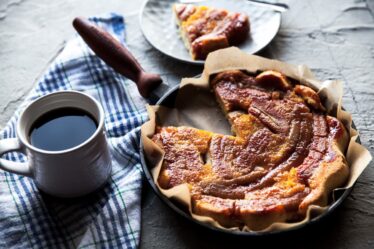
61	129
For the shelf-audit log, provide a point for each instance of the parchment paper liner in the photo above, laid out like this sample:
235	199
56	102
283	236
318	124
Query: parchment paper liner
196	107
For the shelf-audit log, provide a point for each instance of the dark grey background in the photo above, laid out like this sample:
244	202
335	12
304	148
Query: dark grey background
334	38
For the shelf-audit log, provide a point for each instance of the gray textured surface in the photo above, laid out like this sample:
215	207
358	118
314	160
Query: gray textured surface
334	38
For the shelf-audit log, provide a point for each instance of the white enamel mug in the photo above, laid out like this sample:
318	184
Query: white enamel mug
66	173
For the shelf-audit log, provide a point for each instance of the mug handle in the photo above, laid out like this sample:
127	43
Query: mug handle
12	144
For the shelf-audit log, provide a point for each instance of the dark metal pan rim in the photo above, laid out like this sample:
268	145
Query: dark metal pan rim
170	96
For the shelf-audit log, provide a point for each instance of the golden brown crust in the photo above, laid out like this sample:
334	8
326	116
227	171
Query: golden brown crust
243	125
309	96
183	161
287	153
273	79
205	29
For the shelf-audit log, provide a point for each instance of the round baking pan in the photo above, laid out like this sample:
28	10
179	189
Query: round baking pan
123	62
168	100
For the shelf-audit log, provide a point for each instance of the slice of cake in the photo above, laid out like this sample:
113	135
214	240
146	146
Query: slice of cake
206	29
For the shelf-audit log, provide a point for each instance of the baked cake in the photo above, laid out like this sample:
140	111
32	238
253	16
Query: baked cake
205	29
286	153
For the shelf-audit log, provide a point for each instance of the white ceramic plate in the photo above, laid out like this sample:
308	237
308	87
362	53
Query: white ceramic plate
160	29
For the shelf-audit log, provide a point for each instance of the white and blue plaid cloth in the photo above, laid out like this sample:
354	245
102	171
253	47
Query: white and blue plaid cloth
109	218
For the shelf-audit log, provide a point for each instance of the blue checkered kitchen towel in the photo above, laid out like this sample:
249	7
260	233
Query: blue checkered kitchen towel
109	218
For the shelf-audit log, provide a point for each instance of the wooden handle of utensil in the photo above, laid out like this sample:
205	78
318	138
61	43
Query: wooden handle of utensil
116	56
